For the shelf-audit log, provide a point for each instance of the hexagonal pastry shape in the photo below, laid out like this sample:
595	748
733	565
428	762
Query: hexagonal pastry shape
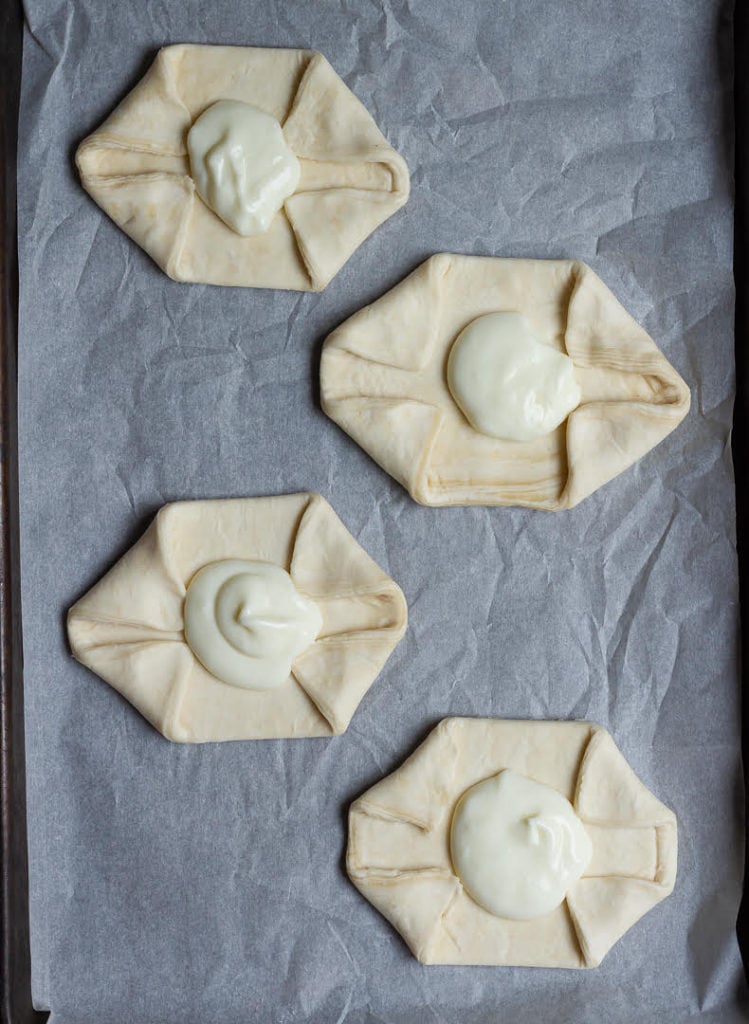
136	167
401	853
384	380
264	582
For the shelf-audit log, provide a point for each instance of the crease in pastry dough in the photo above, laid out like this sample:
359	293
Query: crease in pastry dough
135	166
398	852
129	628
383	380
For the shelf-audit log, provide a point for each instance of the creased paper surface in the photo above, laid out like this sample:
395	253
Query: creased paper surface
193	884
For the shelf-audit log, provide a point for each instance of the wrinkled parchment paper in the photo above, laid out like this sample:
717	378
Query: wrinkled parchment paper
205	884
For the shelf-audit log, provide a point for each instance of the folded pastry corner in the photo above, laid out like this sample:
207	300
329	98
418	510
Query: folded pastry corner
399	844
136	168
130	628
383	379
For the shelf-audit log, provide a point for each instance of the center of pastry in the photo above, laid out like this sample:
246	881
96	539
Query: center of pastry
246	622
507	382
517	846
242	167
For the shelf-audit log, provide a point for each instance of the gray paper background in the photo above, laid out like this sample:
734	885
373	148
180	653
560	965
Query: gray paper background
206	884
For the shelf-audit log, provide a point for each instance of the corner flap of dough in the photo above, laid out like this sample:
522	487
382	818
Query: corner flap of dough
328	123
636	399
338	669
327	559
205	710
397	330
413	903
151	209
398	434
603	909
336	676
609	793
329	226
604	439
141	593
149	203
600	332
422	791
151	119
151	676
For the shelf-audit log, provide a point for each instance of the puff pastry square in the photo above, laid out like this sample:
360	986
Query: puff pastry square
135	166
129	627
383	380
399	850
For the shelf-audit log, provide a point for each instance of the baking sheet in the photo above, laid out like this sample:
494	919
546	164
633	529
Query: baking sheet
187	884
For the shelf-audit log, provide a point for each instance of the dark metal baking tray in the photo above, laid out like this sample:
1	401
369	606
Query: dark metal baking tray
15	981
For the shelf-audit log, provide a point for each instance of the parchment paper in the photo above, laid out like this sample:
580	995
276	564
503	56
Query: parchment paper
205	884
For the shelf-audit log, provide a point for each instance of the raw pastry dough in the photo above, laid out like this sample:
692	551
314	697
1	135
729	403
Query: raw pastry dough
129	627
135	167
398	851
383	379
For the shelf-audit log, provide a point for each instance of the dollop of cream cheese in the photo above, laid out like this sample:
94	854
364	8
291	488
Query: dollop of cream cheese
517	846
246	622
507	381
241	165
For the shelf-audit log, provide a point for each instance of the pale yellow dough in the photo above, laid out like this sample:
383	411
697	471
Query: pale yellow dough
129	627
399	855
383	380
135	166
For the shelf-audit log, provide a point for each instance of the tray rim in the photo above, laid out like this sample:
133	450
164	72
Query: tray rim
15	961
740	433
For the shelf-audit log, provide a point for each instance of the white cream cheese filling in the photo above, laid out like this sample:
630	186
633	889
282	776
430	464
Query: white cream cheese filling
507	382
241	164
517	846
246	622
